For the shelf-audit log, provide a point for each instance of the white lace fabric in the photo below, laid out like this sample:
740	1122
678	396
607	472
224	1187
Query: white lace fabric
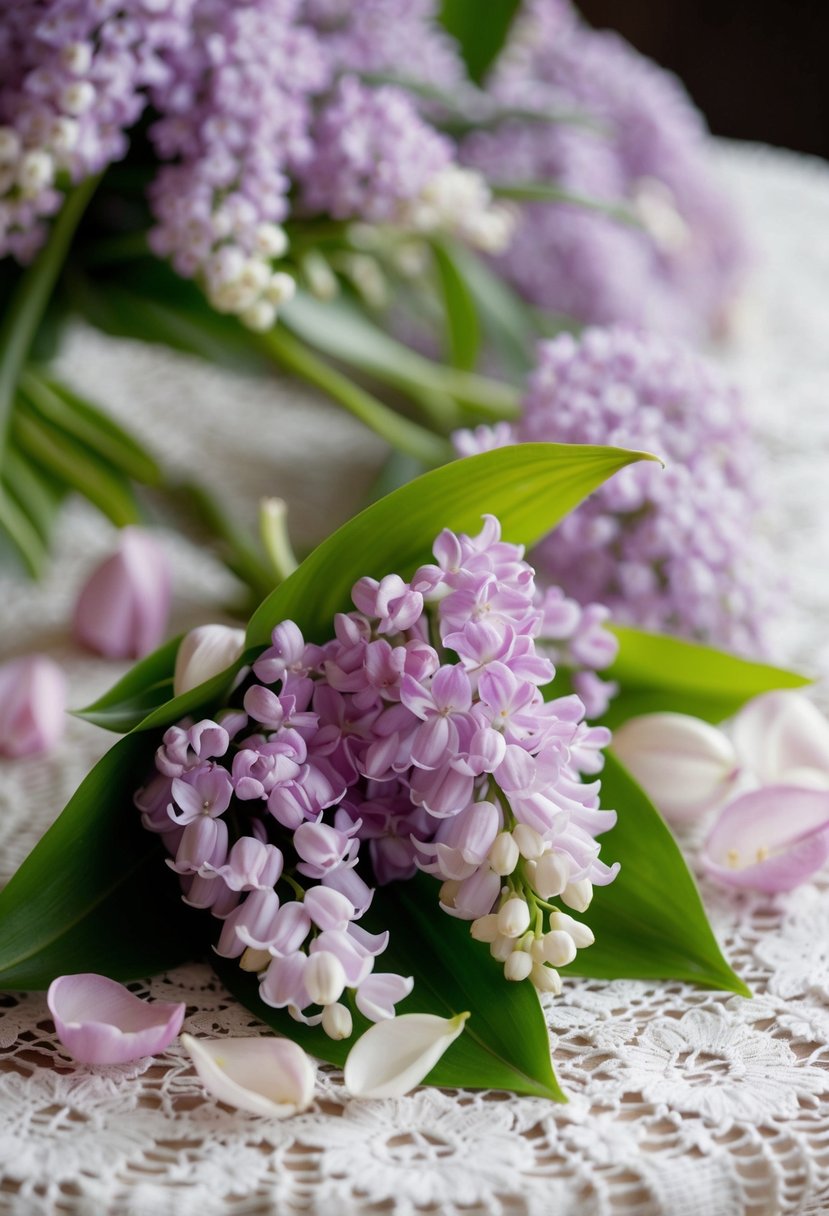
683	1101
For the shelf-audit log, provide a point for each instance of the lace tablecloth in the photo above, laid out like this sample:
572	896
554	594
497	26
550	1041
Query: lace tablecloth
682	1101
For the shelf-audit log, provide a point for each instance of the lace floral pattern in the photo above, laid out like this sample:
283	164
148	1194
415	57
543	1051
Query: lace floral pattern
682	1101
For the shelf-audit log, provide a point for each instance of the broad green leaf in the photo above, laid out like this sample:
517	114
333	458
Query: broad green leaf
462	329
530	487
548	192
508	322
145	686
649	922
481	30
656	672
505	1044
93	894
90	427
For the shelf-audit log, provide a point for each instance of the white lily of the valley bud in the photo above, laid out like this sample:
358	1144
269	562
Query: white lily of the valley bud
518	966
267	1076
485	928
203	653
260	316
530	843
336	1021
255	960
324	978
581	934
551	874
504	854
558	948
514	917
502	948
395	1055
546	979
578	895
683	764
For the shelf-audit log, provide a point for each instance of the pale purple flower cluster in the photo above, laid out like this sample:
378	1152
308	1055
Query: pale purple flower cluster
679	271
373	153
419	731
74	76
666	549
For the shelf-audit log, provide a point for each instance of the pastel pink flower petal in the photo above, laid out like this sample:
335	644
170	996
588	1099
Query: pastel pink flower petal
782	733
771	839
32	705
123	607
265	1076
99	1021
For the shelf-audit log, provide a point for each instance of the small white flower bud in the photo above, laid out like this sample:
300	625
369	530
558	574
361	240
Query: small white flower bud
504	854
558	948
546	979
552	872
518	966
281	289
485	928
577	895
9	145
64	134
271	240
76	57
336	1021
259	317
35	171
502	948
78	97
530	843
514	918
324	978
255	960
581	934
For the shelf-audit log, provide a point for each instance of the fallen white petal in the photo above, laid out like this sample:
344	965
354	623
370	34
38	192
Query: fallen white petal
779	733
395	1055
683	764
267	1076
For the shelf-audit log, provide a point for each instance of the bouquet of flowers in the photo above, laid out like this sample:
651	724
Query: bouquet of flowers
389	801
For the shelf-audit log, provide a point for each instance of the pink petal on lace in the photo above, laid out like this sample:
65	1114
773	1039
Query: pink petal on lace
101	1022
770	839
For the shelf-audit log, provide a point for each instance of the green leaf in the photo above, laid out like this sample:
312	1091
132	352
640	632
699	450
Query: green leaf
90	426
481	31
145	686
505	1044
462	329
649	922
92	894
656	672
68	461
38	495
547	192
26	541
509	324
530	487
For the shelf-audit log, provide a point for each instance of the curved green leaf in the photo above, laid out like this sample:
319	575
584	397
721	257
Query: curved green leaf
481	34
530	487
548	192
92	895
656	672
505	1044
650	922
462	328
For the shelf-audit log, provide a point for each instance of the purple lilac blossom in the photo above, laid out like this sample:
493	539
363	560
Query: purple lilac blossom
416	737
678	272
74	77
665	549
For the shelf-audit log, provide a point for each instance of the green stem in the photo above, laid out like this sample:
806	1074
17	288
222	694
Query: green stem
31	297
399	432
274	532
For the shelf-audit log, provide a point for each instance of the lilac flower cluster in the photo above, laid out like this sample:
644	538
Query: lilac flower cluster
74	77
666	549
416	737
680	270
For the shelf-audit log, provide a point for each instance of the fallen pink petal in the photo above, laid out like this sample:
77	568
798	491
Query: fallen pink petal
123	608
32	705
770	840
99	1021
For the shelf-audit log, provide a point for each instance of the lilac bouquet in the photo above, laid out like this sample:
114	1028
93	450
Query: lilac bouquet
385	809
277	183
